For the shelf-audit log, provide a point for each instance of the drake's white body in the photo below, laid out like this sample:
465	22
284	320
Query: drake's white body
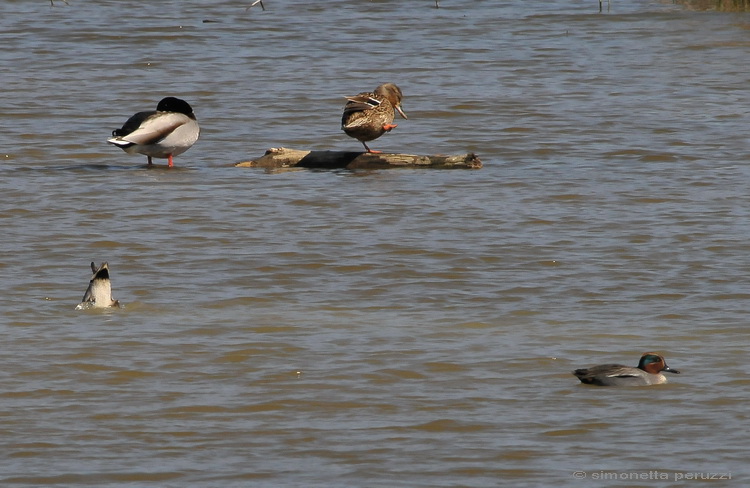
160	135
168	131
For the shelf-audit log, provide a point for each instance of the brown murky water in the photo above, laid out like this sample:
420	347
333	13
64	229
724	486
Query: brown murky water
386	328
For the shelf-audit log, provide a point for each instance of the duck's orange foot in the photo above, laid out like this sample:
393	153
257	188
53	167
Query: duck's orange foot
374	152
389	127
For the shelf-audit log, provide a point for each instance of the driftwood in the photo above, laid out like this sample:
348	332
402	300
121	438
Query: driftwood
720	5
281	157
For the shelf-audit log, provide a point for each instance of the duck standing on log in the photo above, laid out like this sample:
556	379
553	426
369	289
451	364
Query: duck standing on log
368	116
168	131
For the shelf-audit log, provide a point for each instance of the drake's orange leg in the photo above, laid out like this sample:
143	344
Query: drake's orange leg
389	127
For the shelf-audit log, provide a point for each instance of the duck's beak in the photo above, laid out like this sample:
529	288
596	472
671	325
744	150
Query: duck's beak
670	370
401	112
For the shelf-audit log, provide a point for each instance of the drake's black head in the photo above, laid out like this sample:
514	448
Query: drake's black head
172	104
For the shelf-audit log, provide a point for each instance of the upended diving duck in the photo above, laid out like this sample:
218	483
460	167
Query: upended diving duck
168	131
648	372
99	292
368	116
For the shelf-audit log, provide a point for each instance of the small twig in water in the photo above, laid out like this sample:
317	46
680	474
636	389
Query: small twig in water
437	5
256	2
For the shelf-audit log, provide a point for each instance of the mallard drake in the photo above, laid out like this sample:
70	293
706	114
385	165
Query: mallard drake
168	131
648	372
368	116
99	292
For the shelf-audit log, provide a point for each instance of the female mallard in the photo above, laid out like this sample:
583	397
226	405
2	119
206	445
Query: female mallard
368	116
648	372
168	131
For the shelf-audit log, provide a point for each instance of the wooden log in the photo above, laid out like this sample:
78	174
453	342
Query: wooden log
720	5
281	157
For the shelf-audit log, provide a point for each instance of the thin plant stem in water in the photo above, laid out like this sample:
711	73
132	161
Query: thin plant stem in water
256	2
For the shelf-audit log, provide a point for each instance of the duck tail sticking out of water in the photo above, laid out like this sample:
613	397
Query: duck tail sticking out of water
99	292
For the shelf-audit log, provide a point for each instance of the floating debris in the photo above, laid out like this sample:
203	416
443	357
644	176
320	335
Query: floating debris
256	2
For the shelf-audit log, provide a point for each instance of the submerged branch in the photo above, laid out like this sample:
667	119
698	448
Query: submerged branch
281	157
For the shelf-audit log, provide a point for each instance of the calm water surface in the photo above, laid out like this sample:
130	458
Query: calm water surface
386	328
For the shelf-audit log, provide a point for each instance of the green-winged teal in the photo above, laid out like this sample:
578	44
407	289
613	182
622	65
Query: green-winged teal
648	372
368	116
